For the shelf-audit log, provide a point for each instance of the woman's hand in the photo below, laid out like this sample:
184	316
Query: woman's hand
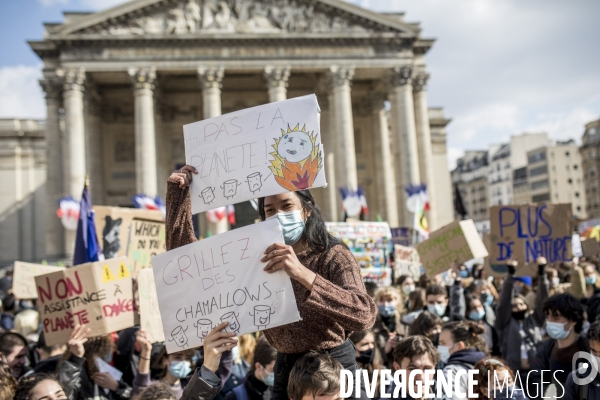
105	381
183	176
391	342
77	339
282	256
215	344
145	341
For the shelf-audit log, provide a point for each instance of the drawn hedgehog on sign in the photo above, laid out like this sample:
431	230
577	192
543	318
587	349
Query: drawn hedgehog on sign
297	158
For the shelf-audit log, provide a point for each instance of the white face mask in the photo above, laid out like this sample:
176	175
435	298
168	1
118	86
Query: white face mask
444	352
408	289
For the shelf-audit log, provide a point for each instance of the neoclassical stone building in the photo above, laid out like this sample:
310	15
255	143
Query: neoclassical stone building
129	77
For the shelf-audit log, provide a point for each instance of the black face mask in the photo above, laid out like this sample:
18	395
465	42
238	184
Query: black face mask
435	339
519	315
366	357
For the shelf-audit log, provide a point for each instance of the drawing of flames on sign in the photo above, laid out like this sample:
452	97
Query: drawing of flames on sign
297	158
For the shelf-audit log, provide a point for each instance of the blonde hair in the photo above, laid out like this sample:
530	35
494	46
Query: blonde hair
247	343
388	291
27	322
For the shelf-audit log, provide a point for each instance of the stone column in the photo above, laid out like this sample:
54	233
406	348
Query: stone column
75	165
145	136
405	136
424	143
341	78
210	83
385	177
54	232
94	145
277	82
329	205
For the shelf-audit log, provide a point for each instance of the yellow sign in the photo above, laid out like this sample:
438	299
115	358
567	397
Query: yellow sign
107	274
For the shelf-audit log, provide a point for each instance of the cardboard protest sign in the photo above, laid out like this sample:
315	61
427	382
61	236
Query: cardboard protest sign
526	232
590	247
98	295
221	279
150	319
406	261
113	224
256	152
23	278
146	239
458	241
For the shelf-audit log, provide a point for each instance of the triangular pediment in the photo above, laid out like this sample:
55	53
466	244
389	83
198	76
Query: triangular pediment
200	17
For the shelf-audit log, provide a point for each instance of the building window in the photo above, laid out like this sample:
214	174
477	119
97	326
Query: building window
575	167
541	197
576	194
578	208
570	181
539	184
567	153
538	170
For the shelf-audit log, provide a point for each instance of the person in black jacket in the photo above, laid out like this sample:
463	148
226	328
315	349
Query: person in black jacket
590	391
564	320
257	384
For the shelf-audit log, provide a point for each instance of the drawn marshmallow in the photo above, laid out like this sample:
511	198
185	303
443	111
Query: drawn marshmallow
262	316
230	188
234	325
208	195
254	181
178	336
204	326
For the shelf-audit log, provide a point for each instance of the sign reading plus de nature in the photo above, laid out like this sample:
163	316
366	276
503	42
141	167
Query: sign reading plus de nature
526	232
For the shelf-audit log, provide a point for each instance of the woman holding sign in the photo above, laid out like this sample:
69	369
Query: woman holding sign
326	279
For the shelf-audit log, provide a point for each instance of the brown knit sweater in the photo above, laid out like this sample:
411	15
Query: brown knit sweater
337	305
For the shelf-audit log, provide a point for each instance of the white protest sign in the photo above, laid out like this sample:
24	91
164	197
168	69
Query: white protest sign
219	279
256	152
24	278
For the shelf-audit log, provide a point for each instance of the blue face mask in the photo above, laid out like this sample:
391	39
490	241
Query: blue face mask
463	273
386	309
556	330
292	225
590	280
270	379
487	299
476	315
180	369
437	309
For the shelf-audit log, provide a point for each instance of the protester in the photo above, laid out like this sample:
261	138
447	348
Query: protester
9	307
173	367
388	327
368	356
518	327
416	305
242	356
496	380
326	280
413	353
8	383
428	325
27	324
437	301
157	391
13	352
259	380
49	356
461	347
315	376
40	387
485	291
591	390
407	285
477	272
484	315
564	321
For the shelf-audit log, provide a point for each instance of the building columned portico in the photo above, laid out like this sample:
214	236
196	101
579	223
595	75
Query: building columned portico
130	77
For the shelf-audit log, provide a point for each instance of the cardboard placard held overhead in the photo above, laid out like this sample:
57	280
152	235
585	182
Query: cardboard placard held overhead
458	241
98	295
406	262
150	319
590	247
221	279
23	278
146	239
526	232
113	224
256	152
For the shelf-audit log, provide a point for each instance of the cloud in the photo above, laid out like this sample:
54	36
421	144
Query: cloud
454	154
101	4
22	95
49	3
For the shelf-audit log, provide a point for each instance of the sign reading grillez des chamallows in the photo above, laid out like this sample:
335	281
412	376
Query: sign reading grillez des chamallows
220	279
256	152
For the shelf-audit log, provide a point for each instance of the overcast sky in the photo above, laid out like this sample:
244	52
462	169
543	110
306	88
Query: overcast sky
498	67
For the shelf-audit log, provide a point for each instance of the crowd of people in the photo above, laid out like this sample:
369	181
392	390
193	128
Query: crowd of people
510	327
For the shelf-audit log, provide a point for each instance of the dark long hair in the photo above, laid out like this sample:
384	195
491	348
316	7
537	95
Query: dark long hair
315	233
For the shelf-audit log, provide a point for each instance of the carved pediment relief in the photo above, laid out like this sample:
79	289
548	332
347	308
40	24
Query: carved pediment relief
186	17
